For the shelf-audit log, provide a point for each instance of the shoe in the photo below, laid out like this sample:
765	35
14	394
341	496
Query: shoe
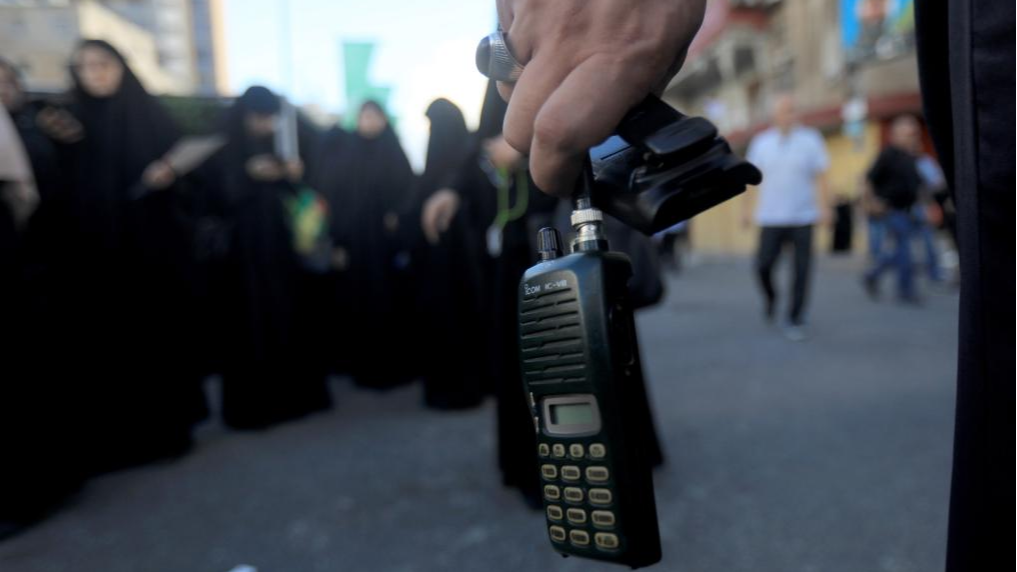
871	286
794	333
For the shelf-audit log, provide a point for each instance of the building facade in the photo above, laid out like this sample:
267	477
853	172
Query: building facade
850	65
173	45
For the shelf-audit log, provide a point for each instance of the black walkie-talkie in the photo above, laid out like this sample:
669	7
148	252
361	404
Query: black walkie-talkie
580	362
578	349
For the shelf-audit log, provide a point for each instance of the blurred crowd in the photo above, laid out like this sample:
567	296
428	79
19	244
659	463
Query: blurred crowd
136	263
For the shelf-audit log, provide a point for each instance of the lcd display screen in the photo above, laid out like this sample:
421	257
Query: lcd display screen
572	414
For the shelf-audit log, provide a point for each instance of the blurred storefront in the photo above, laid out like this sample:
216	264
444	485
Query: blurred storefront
850	64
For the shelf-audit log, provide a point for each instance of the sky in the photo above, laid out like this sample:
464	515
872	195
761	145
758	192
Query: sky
425	50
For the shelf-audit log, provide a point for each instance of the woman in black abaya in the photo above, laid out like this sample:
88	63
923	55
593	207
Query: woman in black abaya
448	278
121	335
33	421
272	370
367	180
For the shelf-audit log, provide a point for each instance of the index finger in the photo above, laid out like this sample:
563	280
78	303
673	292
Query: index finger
580	113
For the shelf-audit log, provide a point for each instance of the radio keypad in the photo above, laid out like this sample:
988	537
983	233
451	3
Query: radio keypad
554	512
574	494
601	518
579	537
600	497
596	474
576	515
606	540
578	478
552	493
549	472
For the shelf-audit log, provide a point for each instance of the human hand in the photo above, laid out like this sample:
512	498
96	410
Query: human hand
294	170
587	63
60	125
437	214
265	168
158	175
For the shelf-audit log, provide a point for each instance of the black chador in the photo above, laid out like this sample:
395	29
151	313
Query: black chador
120	336
368	181
449	287
272	368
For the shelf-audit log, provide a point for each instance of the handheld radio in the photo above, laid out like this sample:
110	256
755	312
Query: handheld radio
578	349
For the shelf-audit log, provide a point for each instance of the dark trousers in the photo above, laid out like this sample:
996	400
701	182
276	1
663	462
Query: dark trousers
771	241
901	228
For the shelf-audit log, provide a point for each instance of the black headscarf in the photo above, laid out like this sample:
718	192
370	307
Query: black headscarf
363	178
447	146
124	133
240	144
386	155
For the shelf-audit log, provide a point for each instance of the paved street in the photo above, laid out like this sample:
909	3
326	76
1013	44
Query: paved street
828	455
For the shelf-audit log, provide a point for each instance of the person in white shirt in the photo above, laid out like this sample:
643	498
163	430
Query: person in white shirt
792	198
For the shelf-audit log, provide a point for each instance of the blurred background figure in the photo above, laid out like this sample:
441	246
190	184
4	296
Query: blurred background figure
327	177
27	156
31	483
895	183
368	181
120	255
449	290
273	369
791	199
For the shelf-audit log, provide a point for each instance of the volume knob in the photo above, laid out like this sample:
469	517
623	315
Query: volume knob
548	243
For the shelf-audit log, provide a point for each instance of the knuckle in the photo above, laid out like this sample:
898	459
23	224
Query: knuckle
518	136
551	131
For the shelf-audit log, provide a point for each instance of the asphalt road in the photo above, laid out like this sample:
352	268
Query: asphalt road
829	455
